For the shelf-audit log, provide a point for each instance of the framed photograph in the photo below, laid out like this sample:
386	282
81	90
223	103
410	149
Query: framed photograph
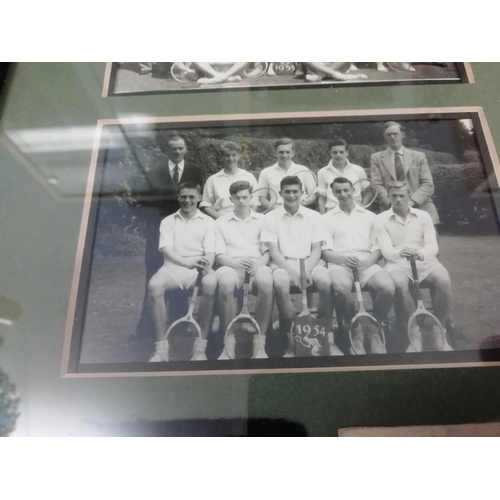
177	77
164	212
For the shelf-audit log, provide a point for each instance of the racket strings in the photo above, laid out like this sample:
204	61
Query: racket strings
367	335
425	333
181	340
240	338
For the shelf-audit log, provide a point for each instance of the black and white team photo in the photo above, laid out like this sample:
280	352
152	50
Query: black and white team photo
336	239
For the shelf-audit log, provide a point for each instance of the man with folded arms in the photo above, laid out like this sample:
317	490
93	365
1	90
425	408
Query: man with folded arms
238	250
187	242
404	232
351	244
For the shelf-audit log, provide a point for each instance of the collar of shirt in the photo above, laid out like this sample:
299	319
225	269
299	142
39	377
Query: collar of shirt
253	215
171	166
197	215
337	210
283	213
222	173
391	214
334	168
399	151
293	166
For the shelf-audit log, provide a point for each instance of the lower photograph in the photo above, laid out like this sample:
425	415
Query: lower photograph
288	242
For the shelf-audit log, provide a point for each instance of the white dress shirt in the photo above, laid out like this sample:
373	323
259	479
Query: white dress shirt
193	237
416	232
171	167
270	177
239	238
329	173
350	234
294	234
216	191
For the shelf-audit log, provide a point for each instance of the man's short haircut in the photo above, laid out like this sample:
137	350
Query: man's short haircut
176	137
290	180
284	141
238	186
190	185
231	146
337	141
341	180
397	185
392	124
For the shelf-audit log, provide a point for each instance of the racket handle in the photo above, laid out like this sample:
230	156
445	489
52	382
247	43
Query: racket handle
247	277
199	278
303	278
414	274
355	273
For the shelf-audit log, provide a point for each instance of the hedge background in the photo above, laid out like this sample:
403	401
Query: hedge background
461	195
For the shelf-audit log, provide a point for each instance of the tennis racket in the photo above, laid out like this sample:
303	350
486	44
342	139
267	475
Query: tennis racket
183	75
400	67
368	195
183	335
270	195
309	332
364	326
258	69
243	336
422	324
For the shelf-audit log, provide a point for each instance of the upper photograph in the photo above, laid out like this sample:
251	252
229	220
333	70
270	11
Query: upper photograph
133	78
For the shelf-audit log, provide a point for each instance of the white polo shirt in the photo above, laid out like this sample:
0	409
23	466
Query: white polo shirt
239	238
189	238
416	232
216	191
294	234
351	234
329	173
271	177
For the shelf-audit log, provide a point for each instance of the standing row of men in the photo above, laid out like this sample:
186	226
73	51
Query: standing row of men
269	246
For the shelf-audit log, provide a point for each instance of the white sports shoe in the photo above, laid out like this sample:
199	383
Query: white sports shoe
358	337
259	347
229	346
415	340
158	355
310	77
334	350
199	350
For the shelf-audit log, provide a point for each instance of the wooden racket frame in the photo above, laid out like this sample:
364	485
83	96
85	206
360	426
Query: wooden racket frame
188	318
421	310
362	312
244	314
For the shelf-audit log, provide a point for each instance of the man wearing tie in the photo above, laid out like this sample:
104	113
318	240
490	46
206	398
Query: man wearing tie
398	163
158	201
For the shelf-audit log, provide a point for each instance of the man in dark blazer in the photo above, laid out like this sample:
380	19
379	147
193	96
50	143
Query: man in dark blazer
398	163
158	201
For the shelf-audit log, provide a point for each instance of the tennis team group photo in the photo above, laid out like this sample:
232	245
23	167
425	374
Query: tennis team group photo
340	238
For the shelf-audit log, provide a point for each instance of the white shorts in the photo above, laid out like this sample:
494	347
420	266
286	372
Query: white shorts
239	274
364	275
183	276
295	263
424	268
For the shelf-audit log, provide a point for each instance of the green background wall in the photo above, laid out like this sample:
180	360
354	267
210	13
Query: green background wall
39	229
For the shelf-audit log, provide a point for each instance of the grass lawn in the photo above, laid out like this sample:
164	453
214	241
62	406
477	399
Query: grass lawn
117	285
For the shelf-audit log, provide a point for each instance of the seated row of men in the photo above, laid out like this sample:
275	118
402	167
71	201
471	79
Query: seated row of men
270	247
207	73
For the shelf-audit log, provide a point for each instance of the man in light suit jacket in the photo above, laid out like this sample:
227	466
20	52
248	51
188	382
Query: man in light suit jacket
398	163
